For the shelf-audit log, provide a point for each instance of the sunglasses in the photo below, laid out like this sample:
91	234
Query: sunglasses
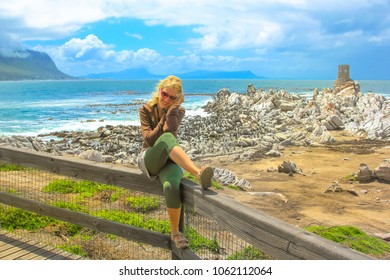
165	95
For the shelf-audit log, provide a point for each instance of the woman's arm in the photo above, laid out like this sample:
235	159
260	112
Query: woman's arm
173	119
150	134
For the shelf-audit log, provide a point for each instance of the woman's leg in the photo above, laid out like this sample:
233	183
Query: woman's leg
181	158
174	217
170	177
204	174
157	156
167	147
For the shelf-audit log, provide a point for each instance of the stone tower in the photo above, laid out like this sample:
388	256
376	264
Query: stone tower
343	76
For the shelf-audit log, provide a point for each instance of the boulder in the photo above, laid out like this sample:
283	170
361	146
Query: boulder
289	168
92	155
382	172
333	122
365	174
226	177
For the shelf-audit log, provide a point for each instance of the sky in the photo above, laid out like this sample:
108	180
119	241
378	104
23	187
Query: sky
278	39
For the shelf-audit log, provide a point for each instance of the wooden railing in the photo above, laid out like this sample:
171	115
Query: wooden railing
274	237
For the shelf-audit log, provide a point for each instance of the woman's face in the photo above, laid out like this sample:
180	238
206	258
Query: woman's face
166	97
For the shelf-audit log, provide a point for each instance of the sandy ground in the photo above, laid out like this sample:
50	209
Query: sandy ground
302	200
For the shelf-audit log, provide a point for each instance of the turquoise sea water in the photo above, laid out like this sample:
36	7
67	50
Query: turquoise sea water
40	107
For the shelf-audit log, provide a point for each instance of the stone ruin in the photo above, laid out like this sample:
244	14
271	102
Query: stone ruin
342	77
344	81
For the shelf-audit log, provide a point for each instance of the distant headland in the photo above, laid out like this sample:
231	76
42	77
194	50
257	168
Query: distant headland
29	65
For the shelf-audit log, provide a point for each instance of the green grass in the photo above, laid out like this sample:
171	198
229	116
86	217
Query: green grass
12	167
134	219
84	189
74	249
352	237
197	242
12	191
248	253
67	229
71	206
350	177
15	218
144	203
69	186
12	218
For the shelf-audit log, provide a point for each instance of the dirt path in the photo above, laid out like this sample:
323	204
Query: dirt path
302	200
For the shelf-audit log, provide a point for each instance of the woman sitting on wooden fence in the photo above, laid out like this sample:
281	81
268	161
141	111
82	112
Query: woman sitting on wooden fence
161	155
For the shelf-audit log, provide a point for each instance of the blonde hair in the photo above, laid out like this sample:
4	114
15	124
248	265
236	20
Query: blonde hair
172	82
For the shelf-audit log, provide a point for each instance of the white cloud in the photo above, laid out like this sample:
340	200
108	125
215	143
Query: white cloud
83	56
220	24
91	55
45	19
135	35
83	49
238	34
381	38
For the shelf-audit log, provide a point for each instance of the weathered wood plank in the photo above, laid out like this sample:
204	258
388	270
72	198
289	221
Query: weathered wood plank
10	245
44	253
184	254
8	251
88	221
126	177
41	253
13	247
5	245
20	251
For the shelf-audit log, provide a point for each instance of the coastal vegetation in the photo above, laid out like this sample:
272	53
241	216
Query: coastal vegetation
11	167
353	238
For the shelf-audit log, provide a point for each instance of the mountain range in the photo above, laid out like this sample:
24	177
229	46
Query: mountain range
34	65
141	73
29	65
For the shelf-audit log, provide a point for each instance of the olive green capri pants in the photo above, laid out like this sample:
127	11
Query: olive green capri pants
159	164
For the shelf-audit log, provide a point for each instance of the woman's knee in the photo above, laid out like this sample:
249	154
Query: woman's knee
170	178
167	137
172	194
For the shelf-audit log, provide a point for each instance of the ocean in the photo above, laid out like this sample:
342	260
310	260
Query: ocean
32	108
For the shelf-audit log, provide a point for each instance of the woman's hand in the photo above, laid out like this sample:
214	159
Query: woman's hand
175	104
179	101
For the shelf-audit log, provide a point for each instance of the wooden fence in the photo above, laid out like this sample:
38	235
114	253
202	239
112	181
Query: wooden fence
274	237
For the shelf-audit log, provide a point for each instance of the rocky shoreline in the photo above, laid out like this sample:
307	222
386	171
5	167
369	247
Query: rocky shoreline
246	126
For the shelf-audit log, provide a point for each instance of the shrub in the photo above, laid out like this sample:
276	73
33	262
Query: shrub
353	238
